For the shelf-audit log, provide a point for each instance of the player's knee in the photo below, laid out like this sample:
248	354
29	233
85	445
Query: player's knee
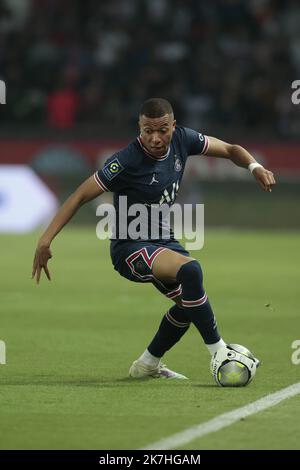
190	272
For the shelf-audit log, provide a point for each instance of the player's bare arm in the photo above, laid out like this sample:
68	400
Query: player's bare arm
241	157
87	191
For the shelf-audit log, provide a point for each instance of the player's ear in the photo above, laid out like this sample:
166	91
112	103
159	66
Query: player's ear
174	123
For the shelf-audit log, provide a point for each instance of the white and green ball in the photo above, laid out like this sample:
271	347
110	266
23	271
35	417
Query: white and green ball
233	366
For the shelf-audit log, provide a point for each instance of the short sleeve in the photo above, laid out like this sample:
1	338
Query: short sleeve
110	177
196	142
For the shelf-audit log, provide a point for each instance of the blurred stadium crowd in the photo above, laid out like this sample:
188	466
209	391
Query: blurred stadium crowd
224	64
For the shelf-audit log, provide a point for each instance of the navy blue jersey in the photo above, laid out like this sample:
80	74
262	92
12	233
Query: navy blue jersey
143	179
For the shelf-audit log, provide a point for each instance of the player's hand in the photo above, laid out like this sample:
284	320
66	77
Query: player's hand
41	258
265	178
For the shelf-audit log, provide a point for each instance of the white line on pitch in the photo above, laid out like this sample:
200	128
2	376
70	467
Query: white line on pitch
224	420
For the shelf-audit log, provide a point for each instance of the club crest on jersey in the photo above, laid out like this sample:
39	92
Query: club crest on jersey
178	165
112	169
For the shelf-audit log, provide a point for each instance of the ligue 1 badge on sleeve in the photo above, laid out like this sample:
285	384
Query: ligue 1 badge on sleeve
112	169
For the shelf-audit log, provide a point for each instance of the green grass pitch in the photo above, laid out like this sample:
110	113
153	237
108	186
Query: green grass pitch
70	344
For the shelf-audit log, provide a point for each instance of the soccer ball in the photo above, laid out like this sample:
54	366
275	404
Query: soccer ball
233	366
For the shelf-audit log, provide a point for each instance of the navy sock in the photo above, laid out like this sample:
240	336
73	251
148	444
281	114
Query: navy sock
173	326
195	302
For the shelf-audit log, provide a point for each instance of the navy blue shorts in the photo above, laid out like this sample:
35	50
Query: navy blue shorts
134	260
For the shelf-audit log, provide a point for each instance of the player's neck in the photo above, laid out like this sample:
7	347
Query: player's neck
162	157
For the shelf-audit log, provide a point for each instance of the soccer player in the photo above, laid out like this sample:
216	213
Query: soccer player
149	171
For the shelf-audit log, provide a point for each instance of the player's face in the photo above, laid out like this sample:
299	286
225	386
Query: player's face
156	133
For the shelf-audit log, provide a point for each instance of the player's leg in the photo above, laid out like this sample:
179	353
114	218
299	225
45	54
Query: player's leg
141	265
173	325
171	267
175	322
185	273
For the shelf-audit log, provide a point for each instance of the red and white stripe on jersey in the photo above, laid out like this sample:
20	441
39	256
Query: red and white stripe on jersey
194	303
175	322
206	145
149	260
99	182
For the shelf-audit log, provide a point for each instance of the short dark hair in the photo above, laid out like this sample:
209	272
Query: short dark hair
156	107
